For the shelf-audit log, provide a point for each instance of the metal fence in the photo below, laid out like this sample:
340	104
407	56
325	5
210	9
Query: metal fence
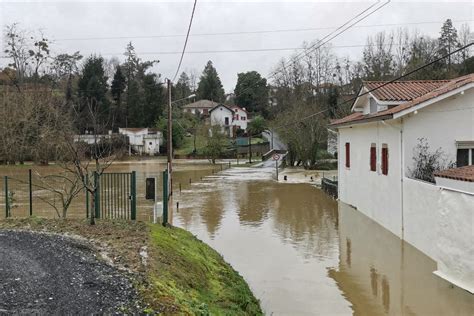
23	193
330	186
30	194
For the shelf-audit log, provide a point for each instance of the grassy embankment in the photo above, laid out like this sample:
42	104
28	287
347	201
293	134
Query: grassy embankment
181	276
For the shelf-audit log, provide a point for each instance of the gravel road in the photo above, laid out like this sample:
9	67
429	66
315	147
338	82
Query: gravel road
52	274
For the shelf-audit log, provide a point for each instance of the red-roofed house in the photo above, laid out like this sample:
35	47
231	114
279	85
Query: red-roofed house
375	150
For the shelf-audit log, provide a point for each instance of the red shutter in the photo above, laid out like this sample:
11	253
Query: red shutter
385	161
373	158
348	155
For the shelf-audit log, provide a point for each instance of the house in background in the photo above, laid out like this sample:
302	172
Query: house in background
222	115
240	118
203	107
143	140
376	146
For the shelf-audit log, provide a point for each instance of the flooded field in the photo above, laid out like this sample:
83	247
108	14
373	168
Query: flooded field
185	172
301	252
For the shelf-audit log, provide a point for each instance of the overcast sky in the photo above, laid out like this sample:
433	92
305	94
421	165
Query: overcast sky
74	25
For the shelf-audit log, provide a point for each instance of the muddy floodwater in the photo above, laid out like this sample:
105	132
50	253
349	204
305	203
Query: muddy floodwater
301	252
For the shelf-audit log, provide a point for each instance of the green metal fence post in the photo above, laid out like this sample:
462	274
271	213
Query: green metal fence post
133	214
96	195
31	192
7	202
165	198
87	195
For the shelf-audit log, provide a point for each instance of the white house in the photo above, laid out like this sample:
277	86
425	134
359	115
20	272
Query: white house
202	107
376	147
143	140
222	115
240	118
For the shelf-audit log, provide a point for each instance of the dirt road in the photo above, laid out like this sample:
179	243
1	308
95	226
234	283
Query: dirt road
52	274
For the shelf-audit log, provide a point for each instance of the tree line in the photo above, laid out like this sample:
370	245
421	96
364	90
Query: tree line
318	80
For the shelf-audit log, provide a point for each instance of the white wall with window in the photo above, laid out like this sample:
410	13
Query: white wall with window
447	124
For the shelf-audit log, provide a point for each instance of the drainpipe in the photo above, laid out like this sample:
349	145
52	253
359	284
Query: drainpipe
402	172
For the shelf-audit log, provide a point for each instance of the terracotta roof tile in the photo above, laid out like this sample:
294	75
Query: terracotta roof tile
462	174
447	87
400	91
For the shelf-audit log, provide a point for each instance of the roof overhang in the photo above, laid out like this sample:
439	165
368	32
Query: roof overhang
363	121
433	100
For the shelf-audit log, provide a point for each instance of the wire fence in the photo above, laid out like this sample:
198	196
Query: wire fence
26	194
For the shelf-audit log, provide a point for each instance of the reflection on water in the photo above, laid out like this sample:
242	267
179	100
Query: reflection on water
304	254
380	274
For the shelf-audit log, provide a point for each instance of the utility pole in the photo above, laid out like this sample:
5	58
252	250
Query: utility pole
250	147
169	141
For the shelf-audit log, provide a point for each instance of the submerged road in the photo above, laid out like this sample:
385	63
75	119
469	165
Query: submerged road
50	274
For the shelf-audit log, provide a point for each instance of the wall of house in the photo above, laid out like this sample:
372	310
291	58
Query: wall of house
219	114
374	194
420	215
218	118
455	242
240	123
440	223
442	124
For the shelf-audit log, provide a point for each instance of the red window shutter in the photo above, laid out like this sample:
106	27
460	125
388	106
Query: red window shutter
373	158
348	155
385	161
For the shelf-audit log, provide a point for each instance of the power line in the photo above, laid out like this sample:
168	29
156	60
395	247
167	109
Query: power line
310	29
382	85
186	41
331	35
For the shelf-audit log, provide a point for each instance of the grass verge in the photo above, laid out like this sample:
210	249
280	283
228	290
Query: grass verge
181	275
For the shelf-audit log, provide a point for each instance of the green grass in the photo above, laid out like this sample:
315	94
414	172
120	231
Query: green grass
257	140
188	145
189	277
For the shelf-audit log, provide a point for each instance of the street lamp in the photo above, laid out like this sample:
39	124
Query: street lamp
186	98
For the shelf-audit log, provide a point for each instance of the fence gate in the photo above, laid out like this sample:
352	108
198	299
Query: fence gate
116	196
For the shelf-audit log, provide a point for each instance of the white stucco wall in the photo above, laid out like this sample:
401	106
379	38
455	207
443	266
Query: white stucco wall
442	124
420	215
455	241
457	185
240	123
219	114
372	193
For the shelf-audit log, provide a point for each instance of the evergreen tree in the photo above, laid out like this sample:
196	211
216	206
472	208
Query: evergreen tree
210	86
448	41
252	92
154	99
117	88
182	89
92	89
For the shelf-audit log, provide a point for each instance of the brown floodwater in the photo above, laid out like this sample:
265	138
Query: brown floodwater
301	252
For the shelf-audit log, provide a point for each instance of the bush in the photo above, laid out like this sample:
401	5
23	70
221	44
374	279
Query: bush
426	162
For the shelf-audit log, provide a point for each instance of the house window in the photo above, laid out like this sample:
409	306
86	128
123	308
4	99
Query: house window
243	118
348	155
462	157
226	120
464	153
237	117
373	157
384	159
206	111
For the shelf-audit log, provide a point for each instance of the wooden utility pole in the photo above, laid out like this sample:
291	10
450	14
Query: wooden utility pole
169	141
